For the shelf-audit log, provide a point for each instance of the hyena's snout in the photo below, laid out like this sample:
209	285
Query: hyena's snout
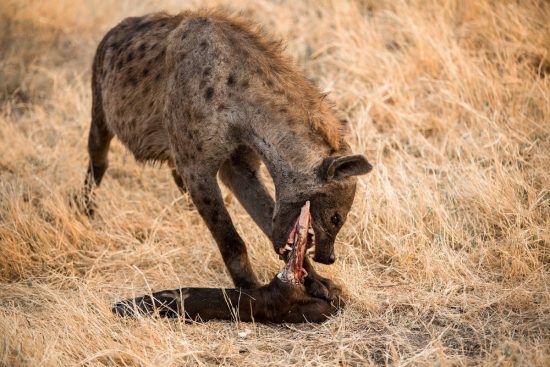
324	248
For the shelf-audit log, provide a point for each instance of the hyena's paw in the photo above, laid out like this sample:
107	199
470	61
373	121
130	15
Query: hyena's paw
163	304
83	203
322	288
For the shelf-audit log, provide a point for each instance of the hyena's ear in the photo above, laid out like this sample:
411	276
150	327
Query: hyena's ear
348	165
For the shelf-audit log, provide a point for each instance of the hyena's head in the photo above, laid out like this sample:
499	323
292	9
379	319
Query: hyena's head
331	195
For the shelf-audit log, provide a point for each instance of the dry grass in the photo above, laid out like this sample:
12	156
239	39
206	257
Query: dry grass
445	256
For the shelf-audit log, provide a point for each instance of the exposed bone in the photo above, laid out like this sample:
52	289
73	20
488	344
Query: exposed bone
293	272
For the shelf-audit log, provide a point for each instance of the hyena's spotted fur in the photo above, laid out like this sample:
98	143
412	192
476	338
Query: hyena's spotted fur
208	94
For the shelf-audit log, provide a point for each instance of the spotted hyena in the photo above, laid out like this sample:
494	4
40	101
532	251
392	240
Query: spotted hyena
209	94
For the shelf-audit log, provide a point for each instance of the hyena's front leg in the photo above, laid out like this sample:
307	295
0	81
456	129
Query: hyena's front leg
206	195
240	174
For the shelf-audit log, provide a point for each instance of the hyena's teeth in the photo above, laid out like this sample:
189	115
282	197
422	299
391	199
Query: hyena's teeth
288	248
310	251
310	230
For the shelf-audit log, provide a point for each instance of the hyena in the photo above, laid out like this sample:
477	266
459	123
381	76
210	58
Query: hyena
209	94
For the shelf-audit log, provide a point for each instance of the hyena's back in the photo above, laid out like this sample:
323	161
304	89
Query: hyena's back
191	64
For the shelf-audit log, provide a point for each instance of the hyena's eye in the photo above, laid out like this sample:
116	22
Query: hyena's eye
336	219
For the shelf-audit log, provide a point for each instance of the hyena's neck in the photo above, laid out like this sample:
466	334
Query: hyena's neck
293	130
290	155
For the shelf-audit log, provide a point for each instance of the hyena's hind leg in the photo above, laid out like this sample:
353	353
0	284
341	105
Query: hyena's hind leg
99	140
179	181
177	178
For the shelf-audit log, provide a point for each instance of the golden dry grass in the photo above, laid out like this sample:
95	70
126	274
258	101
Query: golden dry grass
445	256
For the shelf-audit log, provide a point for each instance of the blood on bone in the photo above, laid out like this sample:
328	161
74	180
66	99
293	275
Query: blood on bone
293	271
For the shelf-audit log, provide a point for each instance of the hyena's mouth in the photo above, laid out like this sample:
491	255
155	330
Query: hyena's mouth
300	242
